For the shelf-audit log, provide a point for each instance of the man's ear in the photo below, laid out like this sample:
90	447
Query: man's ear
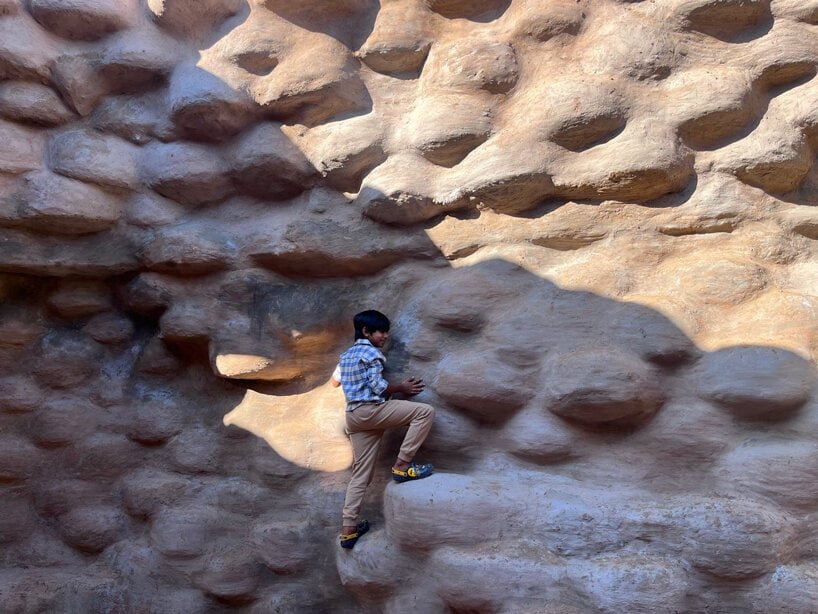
365	332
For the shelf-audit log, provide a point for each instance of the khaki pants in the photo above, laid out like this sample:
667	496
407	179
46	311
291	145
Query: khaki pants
365	425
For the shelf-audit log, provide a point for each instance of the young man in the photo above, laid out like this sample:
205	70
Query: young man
369	414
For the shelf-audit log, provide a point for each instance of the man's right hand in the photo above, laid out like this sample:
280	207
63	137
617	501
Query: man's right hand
412	386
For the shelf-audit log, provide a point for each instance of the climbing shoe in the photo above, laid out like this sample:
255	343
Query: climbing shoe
349	541
413	472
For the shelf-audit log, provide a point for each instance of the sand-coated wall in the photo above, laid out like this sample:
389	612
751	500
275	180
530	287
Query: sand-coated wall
592	223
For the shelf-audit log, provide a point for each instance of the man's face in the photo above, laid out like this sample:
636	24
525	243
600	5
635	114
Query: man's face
378	338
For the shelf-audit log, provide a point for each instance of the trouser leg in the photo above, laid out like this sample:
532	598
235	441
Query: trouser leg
365	446
422	417
418	416
366	425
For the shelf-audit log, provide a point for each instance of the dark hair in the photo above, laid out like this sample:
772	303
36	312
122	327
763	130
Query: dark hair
374	321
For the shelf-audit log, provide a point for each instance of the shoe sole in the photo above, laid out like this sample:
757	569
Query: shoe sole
401	479
349	544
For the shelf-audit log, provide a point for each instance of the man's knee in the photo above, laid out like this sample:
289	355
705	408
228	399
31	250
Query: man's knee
427	412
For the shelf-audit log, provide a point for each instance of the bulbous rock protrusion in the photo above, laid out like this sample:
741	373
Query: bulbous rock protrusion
266	164
84	20
602	387
782	471
466	9
231	576
79	298
735	538
55	204
192	18
19	395
33	103
755	383
400	39
181	249
63	422
23	148
205	108
92	528
483	385
19	459
472	65
723	19
95	158
182	532
188	173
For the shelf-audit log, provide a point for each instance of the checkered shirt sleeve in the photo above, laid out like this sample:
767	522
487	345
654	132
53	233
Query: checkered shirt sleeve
362	373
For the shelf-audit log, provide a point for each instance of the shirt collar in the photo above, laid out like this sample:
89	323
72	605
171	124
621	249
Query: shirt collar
369	343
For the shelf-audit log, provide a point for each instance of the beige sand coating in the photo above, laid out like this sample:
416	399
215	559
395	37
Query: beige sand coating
593	222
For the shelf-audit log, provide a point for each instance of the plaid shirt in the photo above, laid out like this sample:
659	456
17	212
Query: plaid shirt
362	374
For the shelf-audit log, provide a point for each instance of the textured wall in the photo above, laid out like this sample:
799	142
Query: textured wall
592	222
